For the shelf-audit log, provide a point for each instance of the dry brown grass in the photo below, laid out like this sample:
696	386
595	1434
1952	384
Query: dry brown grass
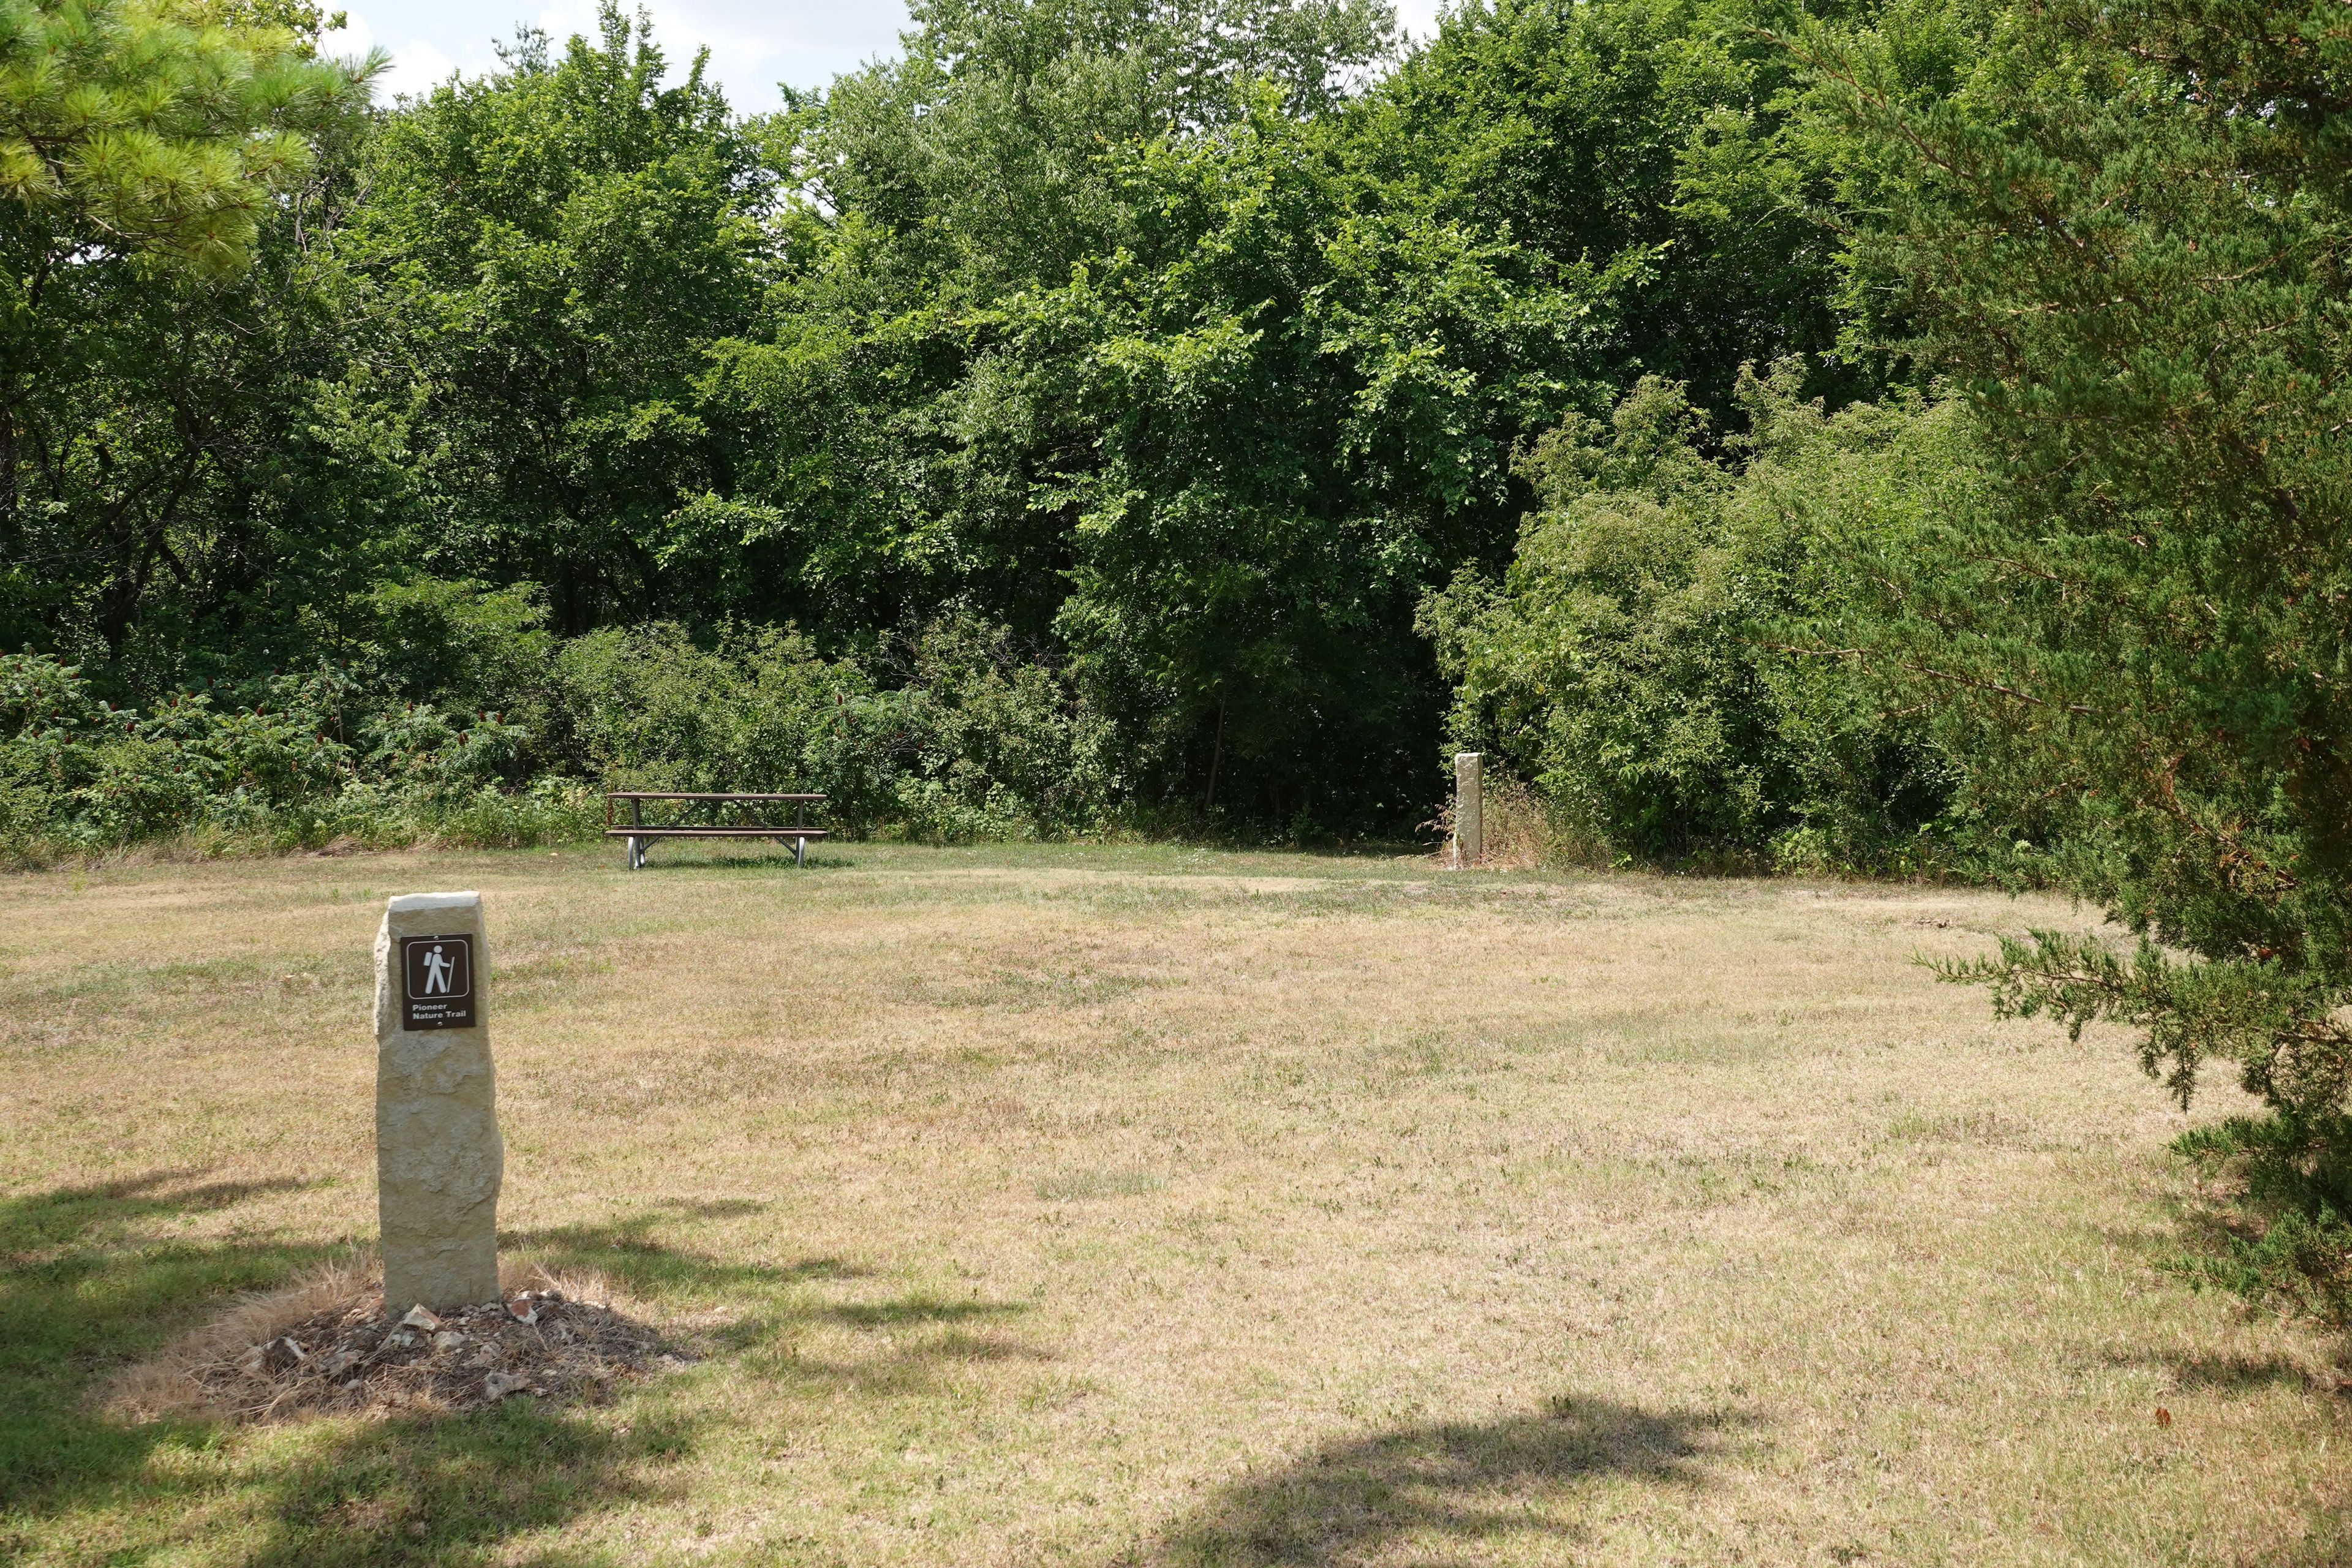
185	1377
1157	1206
1522	834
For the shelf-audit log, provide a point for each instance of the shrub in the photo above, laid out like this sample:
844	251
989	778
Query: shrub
551	811
77	774
948	734
1638	661
945	735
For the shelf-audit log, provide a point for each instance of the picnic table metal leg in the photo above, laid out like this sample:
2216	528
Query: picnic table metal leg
800	851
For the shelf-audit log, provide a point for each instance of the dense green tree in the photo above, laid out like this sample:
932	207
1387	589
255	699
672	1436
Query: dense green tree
1669	135
166	173
1623	660
906	448
546	257
1305	386
1189	347
975	157
1209	384
1015	254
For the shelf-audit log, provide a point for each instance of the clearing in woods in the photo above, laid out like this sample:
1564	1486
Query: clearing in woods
1151	1206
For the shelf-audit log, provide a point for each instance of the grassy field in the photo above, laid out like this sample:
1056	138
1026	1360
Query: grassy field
1152	1207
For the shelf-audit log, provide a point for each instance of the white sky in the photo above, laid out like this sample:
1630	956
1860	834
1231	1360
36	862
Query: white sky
754	44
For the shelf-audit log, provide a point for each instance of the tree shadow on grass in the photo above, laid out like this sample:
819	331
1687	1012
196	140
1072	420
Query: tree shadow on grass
905	1343
1436	1488
423	1489
764	860
2220	1372
86	1287
909	1341
625	1251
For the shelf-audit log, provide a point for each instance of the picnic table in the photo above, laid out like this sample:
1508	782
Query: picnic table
639	833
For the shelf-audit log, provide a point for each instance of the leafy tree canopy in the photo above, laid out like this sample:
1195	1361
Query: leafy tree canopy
545	257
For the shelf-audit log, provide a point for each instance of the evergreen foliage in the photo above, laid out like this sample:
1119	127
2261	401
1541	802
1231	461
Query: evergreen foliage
129	128
2126	242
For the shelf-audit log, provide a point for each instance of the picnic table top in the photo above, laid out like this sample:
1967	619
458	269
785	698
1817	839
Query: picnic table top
696	794
696	830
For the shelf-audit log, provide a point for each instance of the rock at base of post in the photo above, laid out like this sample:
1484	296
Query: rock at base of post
439	1161
1469	810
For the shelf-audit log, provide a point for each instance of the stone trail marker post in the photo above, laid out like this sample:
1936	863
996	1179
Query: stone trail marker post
438	1160
1469	824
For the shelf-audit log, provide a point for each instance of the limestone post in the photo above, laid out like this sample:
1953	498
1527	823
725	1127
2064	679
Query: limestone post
1469	827
438	1161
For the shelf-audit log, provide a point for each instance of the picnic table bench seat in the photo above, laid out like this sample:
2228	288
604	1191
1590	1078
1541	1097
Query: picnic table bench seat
639	833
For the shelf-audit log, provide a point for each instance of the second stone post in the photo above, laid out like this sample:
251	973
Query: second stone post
438	1159
1469	827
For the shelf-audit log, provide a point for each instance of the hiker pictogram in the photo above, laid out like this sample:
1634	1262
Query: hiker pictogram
436	983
